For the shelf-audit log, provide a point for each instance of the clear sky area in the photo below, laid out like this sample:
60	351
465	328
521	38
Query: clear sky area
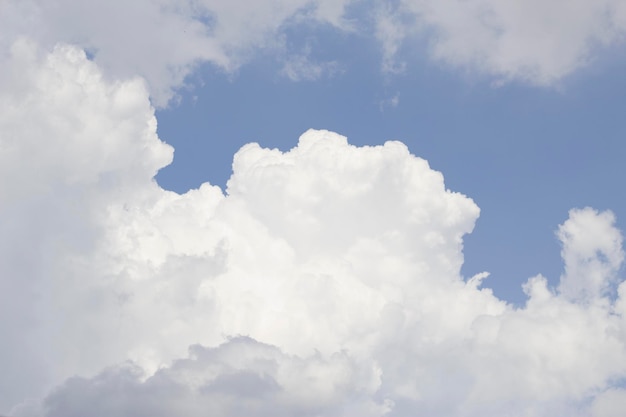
525	154
329	208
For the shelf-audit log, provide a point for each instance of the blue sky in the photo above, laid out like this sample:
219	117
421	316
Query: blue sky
290	207
525	154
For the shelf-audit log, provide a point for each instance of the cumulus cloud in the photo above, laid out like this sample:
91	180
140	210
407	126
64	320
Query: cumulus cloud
324	280
532	41
69	143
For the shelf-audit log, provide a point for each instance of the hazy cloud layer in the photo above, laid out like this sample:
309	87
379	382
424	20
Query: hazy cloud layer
165	40
325	280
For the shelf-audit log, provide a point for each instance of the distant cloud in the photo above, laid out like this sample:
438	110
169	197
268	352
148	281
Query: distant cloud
592	253
391	31
301	68
324	281
163	41
390	102
530	41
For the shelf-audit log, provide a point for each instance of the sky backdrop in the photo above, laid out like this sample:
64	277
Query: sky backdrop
323	207
525	154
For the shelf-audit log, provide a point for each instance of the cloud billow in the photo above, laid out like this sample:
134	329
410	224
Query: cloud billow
323	281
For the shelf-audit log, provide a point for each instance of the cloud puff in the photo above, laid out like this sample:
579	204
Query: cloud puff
324	280
531	41
592	252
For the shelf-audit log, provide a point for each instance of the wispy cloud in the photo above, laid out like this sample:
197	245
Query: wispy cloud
163	41
302	68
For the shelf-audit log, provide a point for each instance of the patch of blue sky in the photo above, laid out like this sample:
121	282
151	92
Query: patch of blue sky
526	155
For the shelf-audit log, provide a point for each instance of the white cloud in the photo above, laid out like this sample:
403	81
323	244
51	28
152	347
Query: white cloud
70	143
340	266
592	253
532	41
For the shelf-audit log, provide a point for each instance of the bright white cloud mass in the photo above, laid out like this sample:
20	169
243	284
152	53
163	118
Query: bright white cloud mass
323	281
